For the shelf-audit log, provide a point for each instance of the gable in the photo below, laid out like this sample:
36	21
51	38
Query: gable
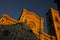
5	20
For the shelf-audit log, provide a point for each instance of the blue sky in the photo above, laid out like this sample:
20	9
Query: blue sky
14	7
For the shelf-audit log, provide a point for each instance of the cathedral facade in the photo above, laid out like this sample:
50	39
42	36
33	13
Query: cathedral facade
30	26
35	25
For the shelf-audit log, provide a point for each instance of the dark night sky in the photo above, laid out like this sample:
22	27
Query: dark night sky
14	7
